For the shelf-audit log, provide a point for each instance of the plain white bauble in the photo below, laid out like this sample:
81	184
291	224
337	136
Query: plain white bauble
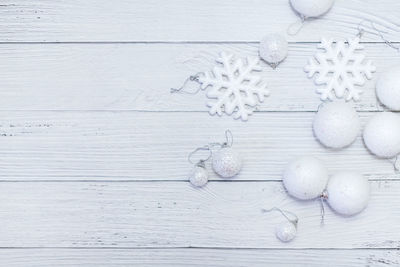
388	88
273	48
286	231
382	135
226	162
348	193
336	125
305	178
198	176
311	8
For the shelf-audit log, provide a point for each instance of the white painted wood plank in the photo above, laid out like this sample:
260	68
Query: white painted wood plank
179	20
174	214
197	257
148	146
139	76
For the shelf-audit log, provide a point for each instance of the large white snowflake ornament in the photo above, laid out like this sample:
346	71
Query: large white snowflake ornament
234	86
340	68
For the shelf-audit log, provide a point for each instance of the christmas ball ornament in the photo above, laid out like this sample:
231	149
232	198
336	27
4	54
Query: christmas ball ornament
305	178
311	8
286	231
382	135
336	125
198	176
273	49
388	88
226	162
348	193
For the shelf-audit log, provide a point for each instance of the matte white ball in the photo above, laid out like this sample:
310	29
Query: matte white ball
382	134
198	176
286	231
305	178
226	162
273	48
388	88
336	125
311	8
348	193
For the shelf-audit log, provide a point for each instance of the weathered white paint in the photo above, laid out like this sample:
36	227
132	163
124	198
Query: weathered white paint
183	20
155	145
139	76
197	257
174	214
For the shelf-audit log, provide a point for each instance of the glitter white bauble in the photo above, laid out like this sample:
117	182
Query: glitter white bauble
311	8
226	162
336	125
286	231
388	88
305	178
273	48
382	135
198	176
348	193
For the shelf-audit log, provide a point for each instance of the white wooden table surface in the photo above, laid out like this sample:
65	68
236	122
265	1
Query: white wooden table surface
93	146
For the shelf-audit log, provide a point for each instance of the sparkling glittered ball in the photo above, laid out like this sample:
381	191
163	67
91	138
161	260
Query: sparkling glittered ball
273	48
305	178
286	231
226	162
382	134
388	88
198	176
348	193
336	125
311	8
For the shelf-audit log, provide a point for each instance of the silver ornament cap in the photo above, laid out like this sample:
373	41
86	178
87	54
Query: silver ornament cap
286	231
198	176
227	162
273	48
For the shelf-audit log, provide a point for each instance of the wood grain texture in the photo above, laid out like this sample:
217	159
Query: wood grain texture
197	257
180	20
160	214
148	146
139	76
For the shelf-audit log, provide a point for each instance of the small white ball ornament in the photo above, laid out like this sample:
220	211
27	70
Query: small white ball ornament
305	178
382	135
226	162
273	49
388	88
348	193
198	176
311	8
286	231
336	125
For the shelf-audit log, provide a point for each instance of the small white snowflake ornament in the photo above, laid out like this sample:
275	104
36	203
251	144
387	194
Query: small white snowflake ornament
341	68
234	85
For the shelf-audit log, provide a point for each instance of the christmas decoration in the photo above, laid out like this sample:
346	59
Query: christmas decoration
340	68
336	125
305	178
234	86
273	49
348	193
388	88
226	162
311	8
382	135
285	231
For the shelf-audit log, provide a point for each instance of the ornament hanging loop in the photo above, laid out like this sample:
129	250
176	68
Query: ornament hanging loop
396	164
285	213
201	162
294	28
379	32
191	78
322	198
228	140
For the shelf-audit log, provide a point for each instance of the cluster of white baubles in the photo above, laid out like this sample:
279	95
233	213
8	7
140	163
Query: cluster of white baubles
346	192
